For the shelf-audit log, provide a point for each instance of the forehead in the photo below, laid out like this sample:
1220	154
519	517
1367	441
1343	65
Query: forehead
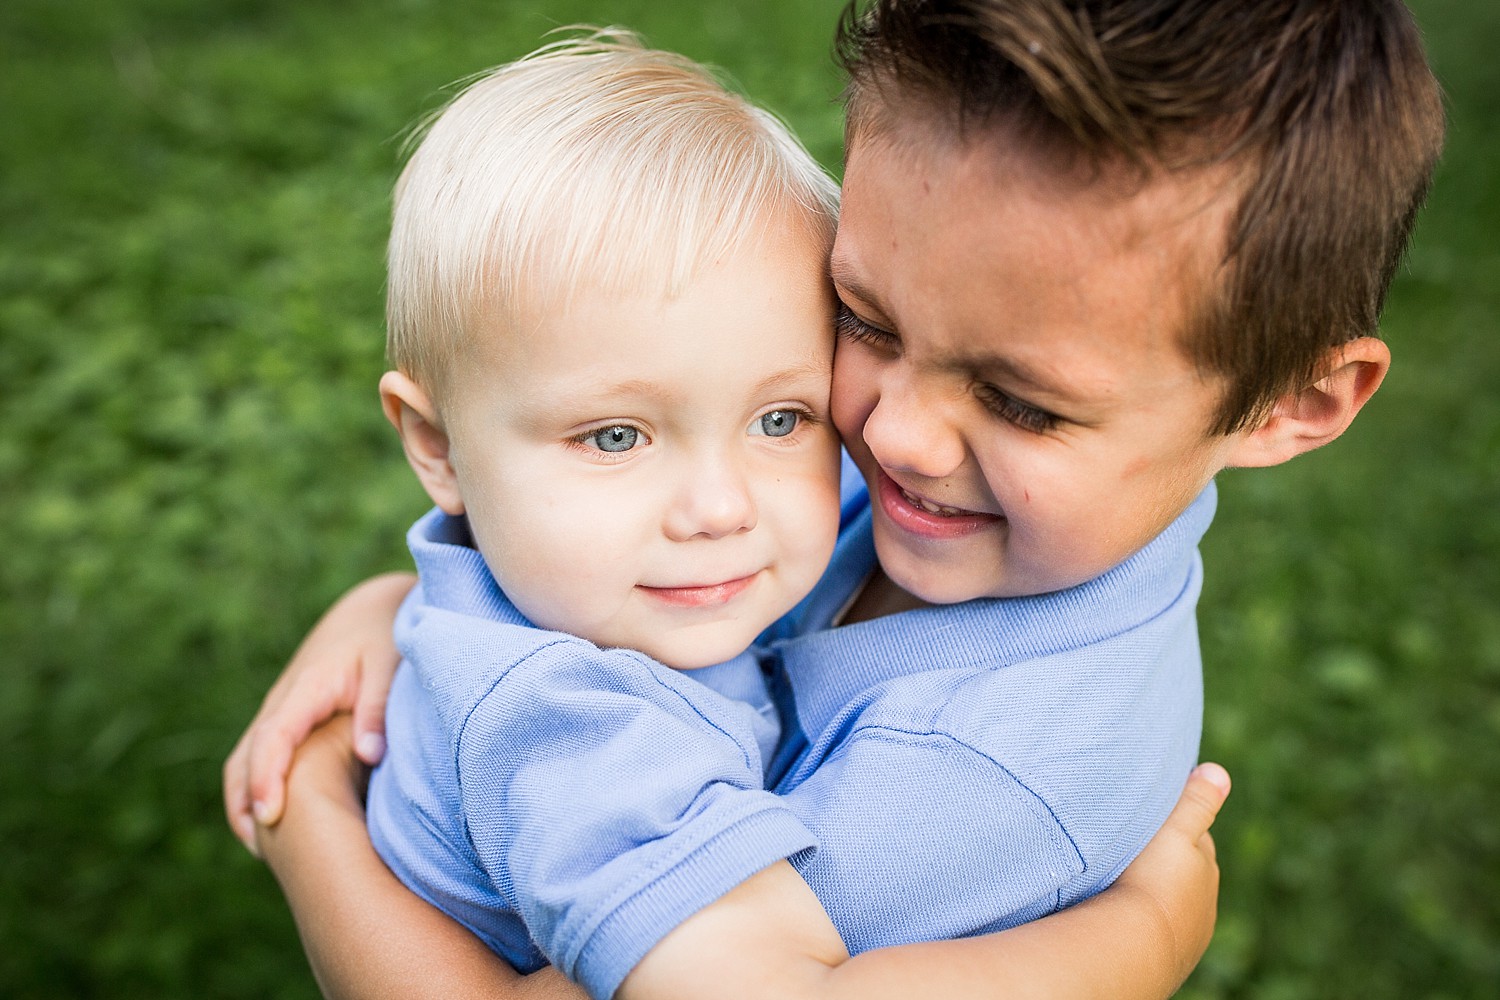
977	245
762	307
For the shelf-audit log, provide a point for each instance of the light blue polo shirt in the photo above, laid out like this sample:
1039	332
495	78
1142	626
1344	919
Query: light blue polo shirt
561	801
970	767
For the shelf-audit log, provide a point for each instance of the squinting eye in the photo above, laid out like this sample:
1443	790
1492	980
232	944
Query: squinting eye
777	423
612	439
850	327
1013	411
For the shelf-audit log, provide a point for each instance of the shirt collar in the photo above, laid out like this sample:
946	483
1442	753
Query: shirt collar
829	668
454	575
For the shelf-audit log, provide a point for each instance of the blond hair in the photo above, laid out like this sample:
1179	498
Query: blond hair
593	163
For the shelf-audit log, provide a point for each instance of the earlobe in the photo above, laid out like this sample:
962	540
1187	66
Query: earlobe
1311	417
428	448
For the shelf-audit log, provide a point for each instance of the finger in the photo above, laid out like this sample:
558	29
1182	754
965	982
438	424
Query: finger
369	711
237	796
1207	788
272	745
1216	776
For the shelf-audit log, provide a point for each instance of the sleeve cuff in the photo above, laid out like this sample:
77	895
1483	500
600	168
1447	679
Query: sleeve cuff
615	939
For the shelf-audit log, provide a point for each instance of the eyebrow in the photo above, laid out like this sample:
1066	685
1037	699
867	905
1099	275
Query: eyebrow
843	275
792	374
1013	370
646	387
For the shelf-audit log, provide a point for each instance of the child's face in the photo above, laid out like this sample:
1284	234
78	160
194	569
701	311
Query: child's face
1009	377
660	475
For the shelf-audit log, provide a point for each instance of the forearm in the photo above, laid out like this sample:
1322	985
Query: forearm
1138	939
1117	946
764	939
366	935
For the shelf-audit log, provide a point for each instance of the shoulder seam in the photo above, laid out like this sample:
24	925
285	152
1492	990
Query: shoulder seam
892	733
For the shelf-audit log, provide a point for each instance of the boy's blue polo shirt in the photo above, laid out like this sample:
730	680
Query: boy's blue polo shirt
561	801
970	767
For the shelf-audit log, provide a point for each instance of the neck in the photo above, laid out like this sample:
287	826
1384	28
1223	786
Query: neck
879	597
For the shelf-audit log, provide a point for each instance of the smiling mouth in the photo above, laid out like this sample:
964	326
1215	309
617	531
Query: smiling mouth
706	596
924	518
938	509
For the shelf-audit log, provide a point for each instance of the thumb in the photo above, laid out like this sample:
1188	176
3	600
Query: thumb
1207	788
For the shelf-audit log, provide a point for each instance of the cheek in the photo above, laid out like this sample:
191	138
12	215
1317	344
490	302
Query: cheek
854	393
552	535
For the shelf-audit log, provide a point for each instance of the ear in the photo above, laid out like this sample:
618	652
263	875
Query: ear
409	409
1311	417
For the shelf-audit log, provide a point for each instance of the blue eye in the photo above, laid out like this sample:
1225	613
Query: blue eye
776	423
616	438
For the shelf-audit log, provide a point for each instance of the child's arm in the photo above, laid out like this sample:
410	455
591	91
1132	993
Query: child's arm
369	936
345	664
366	934
1141	938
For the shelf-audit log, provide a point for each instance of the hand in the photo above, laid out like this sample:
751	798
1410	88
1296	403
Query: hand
325	787
365	933
345	664
1178	872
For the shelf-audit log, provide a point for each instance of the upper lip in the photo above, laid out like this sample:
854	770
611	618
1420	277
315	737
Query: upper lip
926	501
700	586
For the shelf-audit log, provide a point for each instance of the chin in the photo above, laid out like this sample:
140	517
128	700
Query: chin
935	587
933	583
696	656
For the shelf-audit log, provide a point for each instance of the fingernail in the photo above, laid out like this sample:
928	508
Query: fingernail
261	811
1215	775
370	747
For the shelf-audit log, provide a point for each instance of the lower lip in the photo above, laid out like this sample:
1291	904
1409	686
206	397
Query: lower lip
921	522
713	596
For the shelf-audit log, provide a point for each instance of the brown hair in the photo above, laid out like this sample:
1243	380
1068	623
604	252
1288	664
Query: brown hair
1327	106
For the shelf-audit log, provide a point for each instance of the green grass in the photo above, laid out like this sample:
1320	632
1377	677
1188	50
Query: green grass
192	464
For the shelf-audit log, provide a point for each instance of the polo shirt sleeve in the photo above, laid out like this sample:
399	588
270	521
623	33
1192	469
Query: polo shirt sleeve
613	798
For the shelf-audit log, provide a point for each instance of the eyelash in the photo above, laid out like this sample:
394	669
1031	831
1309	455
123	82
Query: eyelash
806	421
1008	408
580	441
850	327
806	418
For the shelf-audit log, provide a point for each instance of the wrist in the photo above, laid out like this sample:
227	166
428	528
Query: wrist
324	793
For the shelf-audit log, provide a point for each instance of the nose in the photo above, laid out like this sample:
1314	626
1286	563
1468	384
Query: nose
912	431
712	500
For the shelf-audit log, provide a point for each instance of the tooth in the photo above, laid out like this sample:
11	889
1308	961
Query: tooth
930	507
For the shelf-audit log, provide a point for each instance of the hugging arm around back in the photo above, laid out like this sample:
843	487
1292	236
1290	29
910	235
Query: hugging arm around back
367	935
1138	939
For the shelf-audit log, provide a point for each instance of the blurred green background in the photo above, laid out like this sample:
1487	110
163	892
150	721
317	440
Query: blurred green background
193	198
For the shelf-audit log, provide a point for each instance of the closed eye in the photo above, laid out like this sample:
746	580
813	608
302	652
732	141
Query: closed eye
850	327
1013	411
